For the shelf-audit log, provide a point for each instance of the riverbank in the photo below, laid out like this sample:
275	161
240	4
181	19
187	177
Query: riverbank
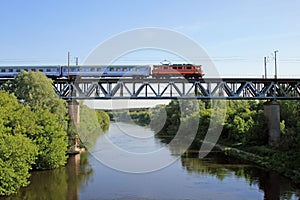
262	157
243	128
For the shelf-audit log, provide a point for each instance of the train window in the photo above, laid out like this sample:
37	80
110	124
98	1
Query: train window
118	69
18	70
10	70
180	68
166	67
33	70
111	69
41	70
188	67
99	69
92	69
125	69
48	70
2	70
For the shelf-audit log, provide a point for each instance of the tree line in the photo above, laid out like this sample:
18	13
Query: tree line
34	129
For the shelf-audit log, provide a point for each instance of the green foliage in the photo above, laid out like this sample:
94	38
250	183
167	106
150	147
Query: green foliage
158	117
290	125
36	90
72	135
48	124
141	118
17	152
33	133
204	121
169	115
92	125
103	119
51	140
245	123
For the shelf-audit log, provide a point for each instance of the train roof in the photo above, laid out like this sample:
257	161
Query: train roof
41	66
179	64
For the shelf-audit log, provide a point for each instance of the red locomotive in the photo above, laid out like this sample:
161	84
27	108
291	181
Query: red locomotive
188	71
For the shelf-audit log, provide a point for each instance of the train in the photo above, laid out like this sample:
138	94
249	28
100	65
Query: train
188	71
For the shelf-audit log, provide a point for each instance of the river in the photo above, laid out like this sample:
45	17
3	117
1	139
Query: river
103	173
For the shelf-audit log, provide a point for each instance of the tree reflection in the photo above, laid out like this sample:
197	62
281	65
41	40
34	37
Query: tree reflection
220	166
61	183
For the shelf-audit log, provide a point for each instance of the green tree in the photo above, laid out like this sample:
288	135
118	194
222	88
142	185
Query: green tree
103	119
51	140
35	90
245	123
290	124
89	128
17	152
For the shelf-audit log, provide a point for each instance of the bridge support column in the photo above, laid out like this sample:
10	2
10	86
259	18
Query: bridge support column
272	115
73	111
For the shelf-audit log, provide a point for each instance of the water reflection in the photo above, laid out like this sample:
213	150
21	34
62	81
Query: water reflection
62	183
216	164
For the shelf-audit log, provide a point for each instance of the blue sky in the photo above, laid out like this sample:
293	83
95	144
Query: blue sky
236	34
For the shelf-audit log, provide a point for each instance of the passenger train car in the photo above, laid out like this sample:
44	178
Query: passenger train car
12	71
134	71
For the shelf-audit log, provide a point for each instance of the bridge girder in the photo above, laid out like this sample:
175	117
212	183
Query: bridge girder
178	88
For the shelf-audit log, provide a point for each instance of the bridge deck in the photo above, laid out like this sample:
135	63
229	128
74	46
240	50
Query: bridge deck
150	88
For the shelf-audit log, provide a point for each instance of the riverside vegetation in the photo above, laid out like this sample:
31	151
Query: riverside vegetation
244	128
34	130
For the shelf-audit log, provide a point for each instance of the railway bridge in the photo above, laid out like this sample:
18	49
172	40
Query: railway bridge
88	88
208	88
177	88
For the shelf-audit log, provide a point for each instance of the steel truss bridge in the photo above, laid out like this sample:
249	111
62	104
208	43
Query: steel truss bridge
150	88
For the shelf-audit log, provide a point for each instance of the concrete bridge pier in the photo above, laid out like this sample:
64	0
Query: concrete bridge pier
272	115
73	111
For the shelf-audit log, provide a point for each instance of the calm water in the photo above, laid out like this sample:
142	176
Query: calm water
214	177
